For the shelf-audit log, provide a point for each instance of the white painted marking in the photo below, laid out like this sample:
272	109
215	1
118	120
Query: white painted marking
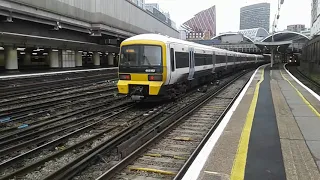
301	84
210	172
57	72
197	165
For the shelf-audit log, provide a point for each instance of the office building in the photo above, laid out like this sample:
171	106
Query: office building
306	32
154	9
151	6
139	3
202	25
255	16
315	18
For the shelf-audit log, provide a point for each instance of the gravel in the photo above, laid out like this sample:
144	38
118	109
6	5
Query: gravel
51	166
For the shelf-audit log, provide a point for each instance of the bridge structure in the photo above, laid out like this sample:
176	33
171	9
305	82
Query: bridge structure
64	32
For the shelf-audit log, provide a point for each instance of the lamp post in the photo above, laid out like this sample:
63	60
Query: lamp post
274	25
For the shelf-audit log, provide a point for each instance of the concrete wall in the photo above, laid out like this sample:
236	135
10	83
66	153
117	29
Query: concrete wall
115	13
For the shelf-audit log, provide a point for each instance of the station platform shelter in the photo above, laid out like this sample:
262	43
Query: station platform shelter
270	133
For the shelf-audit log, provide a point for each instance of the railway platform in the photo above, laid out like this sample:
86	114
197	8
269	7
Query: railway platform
271	132
48	73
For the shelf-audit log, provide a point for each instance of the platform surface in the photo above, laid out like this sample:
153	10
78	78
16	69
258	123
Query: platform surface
273	134
49	72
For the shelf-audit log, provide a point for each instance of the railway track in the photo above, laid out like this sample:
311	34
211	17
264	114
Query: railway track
315	86
60	111
33	87
19	81
20	109
53	93
86	146
19	113
173	144
102	130
51	128
25	101
115	148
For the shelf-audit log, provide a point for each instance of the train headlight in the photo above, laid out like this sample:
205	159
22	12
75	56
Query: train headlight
124	77
155	77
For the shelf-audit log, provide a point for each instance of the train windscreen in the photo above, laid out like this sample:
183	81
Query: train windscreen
141	59
141	55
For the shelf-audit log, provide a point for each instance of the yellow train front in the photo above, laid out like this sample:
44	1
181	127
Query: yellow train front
142	68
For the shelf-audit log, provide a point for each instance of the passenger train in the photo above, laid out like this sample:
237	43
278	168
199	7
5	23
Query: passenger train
153	65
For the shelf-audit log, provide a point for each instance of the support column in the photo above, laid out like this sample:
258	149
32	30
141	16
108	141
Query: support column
117	60
47	59
110	59
27	59
11	58
78	59
96	59
272	57
2	61
54	59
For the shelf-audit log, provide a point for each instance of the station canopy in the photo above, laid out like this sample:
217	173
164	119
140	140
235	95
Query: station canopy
287	36
282	40
250	35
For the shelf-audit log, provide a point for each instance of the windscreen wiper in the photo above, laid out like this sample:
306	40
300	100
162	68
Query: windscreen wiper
145	58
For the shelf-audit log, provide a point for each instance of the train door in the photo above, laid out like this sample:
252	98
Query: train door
191	64
226	67
172	70
214	61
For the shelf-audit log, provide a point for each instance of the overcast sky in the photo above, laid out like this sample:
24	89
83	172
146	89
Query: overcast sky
228	11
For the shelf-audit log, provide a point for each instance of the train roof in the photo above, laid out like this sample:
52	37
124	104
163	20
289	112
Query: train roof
167	39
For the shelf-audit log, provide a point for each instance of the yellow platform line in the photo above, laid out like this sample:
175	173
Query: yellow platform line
152	170
302	97
239	163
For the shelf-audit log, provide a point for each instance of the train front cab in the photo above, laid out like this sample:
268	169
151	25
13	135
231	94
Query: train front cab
142	68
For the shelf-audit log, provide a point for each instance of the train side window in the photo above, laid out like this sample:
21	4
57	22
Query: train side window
199	59
182	59
172	59
220	59
208	59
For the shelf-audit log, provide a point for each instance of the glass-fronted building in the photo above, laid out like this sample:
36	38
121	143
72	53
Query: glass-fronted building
202	25
315	18
255	16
